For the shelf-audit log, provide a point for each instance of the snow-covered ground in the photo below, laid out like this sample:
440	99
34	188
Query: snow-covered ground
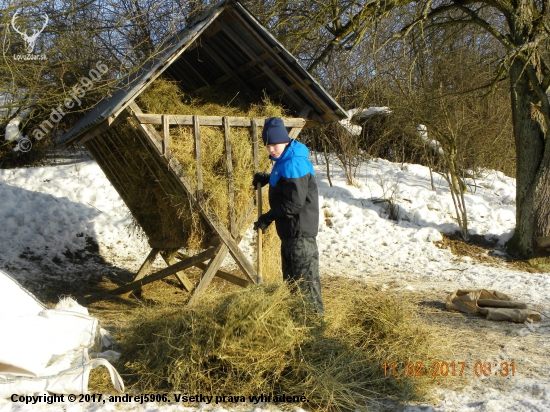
48	213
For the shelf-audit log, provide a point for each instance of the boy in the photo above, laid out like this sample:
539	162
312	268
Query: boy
294	202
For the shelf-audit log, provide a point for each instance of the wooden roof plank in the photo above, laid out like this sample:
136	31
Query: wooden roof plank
212	53
276	79
298	80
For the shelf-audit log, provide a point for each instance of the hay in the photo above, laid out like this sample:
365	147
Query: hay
150	198
164	96
260	340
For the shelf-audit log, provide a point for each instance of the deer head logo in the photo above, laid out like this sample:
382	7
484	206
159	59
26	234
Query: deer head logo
30	40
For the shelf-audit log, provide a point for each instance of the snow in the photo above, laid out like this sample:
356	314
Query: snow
370	111
50	212
355	130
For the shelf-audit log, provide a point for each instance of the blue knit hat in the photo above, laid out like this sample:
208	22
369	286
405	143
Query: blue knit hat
274	131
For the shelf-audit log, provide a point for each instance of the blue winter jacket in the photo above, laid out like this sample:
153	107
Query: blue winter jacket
293	194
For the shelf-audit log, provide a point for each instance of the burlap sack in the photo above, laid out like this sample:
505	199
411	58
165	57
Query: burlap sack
491	303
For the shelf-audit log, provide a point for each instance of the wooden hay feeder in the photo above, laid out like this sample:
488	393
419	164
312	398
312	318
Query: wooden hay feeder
225	46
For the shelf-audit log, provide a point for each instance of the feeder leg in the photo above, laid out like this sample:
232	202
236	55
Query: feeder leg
212	267
230	277
169	258
170	270
145	267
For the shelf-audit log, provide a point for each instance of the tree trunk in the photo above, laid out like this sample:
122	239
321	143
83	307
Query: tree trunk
533	166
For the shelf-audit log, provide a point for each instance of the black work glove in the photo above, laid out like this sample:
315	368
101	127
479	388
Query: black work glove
263	222
260	177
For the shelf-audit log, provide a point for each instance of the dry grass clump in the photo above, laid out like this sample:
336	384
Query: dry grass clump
261	340
165	96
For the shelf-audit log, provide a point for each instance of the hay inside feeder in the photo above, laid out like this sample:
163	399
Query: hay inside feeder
165	97
158	204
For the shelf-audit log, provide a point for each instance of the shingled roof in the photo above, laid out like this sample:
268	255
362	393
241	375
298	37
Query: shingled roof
227	43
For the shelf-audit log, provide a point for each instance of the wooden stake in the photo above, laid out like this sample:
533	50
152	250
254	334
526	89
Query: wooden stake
145	267
208	274
255	153
147	263
256	156
259	249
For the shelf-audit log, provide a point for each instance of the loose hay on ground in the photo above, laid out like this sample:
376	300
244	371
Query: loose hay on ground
260	340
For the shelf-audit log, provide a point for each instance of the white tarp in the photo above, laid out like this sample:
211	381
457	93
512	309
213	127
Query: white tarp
44	349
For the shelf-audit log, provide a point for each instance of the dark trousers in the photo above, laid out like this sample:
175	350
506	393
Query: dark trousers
300	259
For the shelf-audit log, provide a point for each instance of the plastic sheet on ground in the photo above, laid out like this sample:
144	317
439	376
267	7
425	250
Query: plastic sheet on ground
45	349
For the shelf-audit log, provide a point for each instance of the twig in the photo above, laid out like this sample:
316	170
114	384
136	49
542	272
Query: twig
93	207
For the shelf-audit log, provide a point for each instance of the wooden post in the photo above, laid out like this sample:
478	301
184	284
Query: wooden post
256	154
144	269
197	130
166	136
229	161
295	131
213	266
147	263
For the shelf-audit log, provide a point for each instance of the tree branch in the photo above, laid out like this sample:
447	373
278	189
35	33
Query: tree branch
487	26
356	26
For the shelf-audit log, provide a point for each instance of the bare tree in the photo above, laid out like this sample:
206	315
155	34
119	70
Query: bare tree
522	30
72	41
